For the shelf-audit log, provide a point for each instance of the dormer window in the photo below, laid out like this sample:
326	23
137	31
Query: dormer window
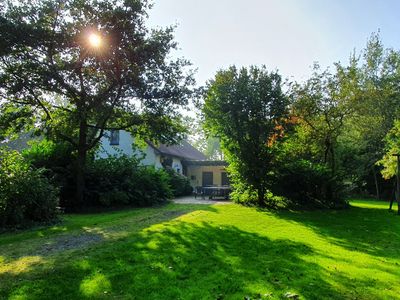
114	137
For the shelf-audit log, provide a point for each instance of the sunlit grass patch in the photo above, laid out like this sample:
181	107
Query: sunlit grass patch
221	252
20	265
372	204
96	285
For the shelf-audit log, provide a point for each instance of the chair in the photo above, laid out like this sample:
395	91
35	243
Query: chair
198	191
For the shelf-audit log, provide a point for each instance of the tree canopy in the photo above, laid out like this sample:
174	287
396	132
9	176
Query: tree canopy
79	68
245	108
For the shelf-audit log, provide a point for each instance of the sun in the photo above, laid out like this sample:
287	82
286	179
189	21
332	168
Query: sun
95	40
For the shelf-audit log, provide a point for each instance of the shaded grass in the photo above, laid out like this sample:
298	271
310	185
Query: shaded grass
210	252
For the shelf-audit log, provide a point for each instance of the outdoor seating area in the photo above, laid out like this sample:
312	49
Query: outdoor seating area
213	192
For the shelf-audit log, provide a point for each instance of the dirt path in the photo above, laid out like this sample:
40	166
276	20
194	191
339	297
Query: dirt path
86	236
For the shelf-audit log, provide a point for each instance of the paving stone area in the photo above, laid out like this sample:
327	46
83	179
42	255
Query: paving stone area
199	200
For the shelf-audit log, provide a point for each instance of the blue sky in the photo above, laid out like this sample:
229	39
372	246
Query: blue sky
288	35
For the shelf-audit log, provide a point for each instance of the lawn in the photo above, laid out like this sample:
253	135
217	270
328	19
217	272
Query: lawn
207	252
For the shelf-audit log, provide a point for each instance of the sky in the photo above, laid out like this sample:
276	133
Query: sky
285	35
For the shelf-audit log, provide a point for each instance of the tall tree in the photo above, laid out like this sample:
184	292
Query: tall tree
389	161
244	109
80	68
209	145
373	92
320	109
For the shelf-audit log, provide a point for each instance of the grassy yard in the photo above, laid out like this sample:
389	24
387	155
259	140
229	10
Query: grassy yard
207	252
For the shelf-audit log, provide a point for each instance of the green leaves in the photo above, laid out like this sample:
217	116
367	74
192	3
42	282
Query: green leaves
388	161
48	63
246	108
76	90
25	194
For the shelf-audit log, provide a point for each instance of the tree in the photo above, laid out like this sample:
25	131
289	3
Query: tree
209	145
320	110
371	81
389	161
244	109
80	68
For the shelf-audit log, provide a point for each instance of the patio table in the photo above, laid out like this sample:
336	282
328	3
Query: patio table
216	191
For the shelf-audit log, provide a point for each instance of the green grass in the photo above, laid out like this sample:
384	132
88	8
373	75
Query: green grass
207	252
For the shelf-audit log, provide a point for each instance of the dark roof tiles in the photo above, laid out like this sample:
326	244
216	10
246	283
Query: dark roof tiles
183	150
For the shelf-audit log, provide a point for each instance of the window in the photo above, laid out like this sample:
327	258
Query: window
166	162
114	137
207	178
224	178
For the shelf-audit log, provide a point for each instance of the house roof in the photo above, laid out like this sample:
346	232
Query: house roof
182	150
21	142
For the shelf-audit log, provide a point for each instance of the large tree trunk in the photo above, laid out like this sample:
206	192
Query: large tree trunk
378	196
261	195
333	160
81	164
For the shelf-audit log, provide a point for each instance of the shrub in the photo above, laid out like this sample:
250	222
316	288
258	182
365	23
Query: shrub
50	155
179	184
121	181
58	160
26	195
309	185
246	195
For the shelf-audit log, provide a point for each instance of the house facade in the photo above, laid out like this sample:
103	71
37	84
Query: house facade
121	142
183	158
206	173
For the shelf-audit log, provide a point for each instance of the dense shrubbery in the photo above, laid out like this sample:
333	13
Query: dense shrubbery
308	185
179	184
49	155
109	182
296	184
58	160
122	181
25	194
247	196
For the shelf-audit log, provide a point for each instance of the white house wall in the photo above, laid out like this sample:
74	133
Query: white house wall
151	158
177	165
195	174
125	148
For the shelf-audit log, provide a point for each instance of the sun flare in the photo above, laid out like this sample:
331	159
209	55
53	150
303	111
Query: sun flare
94	40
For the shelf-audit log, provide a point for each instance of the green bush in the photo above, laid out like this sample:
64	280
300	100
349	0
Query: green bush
179	184
308	185
112	181
50	155
26	195
122	180
58	161
246	195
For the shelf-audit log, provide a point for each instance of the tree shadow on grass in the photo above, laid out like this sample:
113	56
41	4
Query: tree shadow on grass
64	237
369	230
180	260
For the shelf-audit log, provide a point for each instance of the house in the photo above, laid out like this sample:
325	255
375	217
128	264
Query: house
206	172
20	143
183	158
